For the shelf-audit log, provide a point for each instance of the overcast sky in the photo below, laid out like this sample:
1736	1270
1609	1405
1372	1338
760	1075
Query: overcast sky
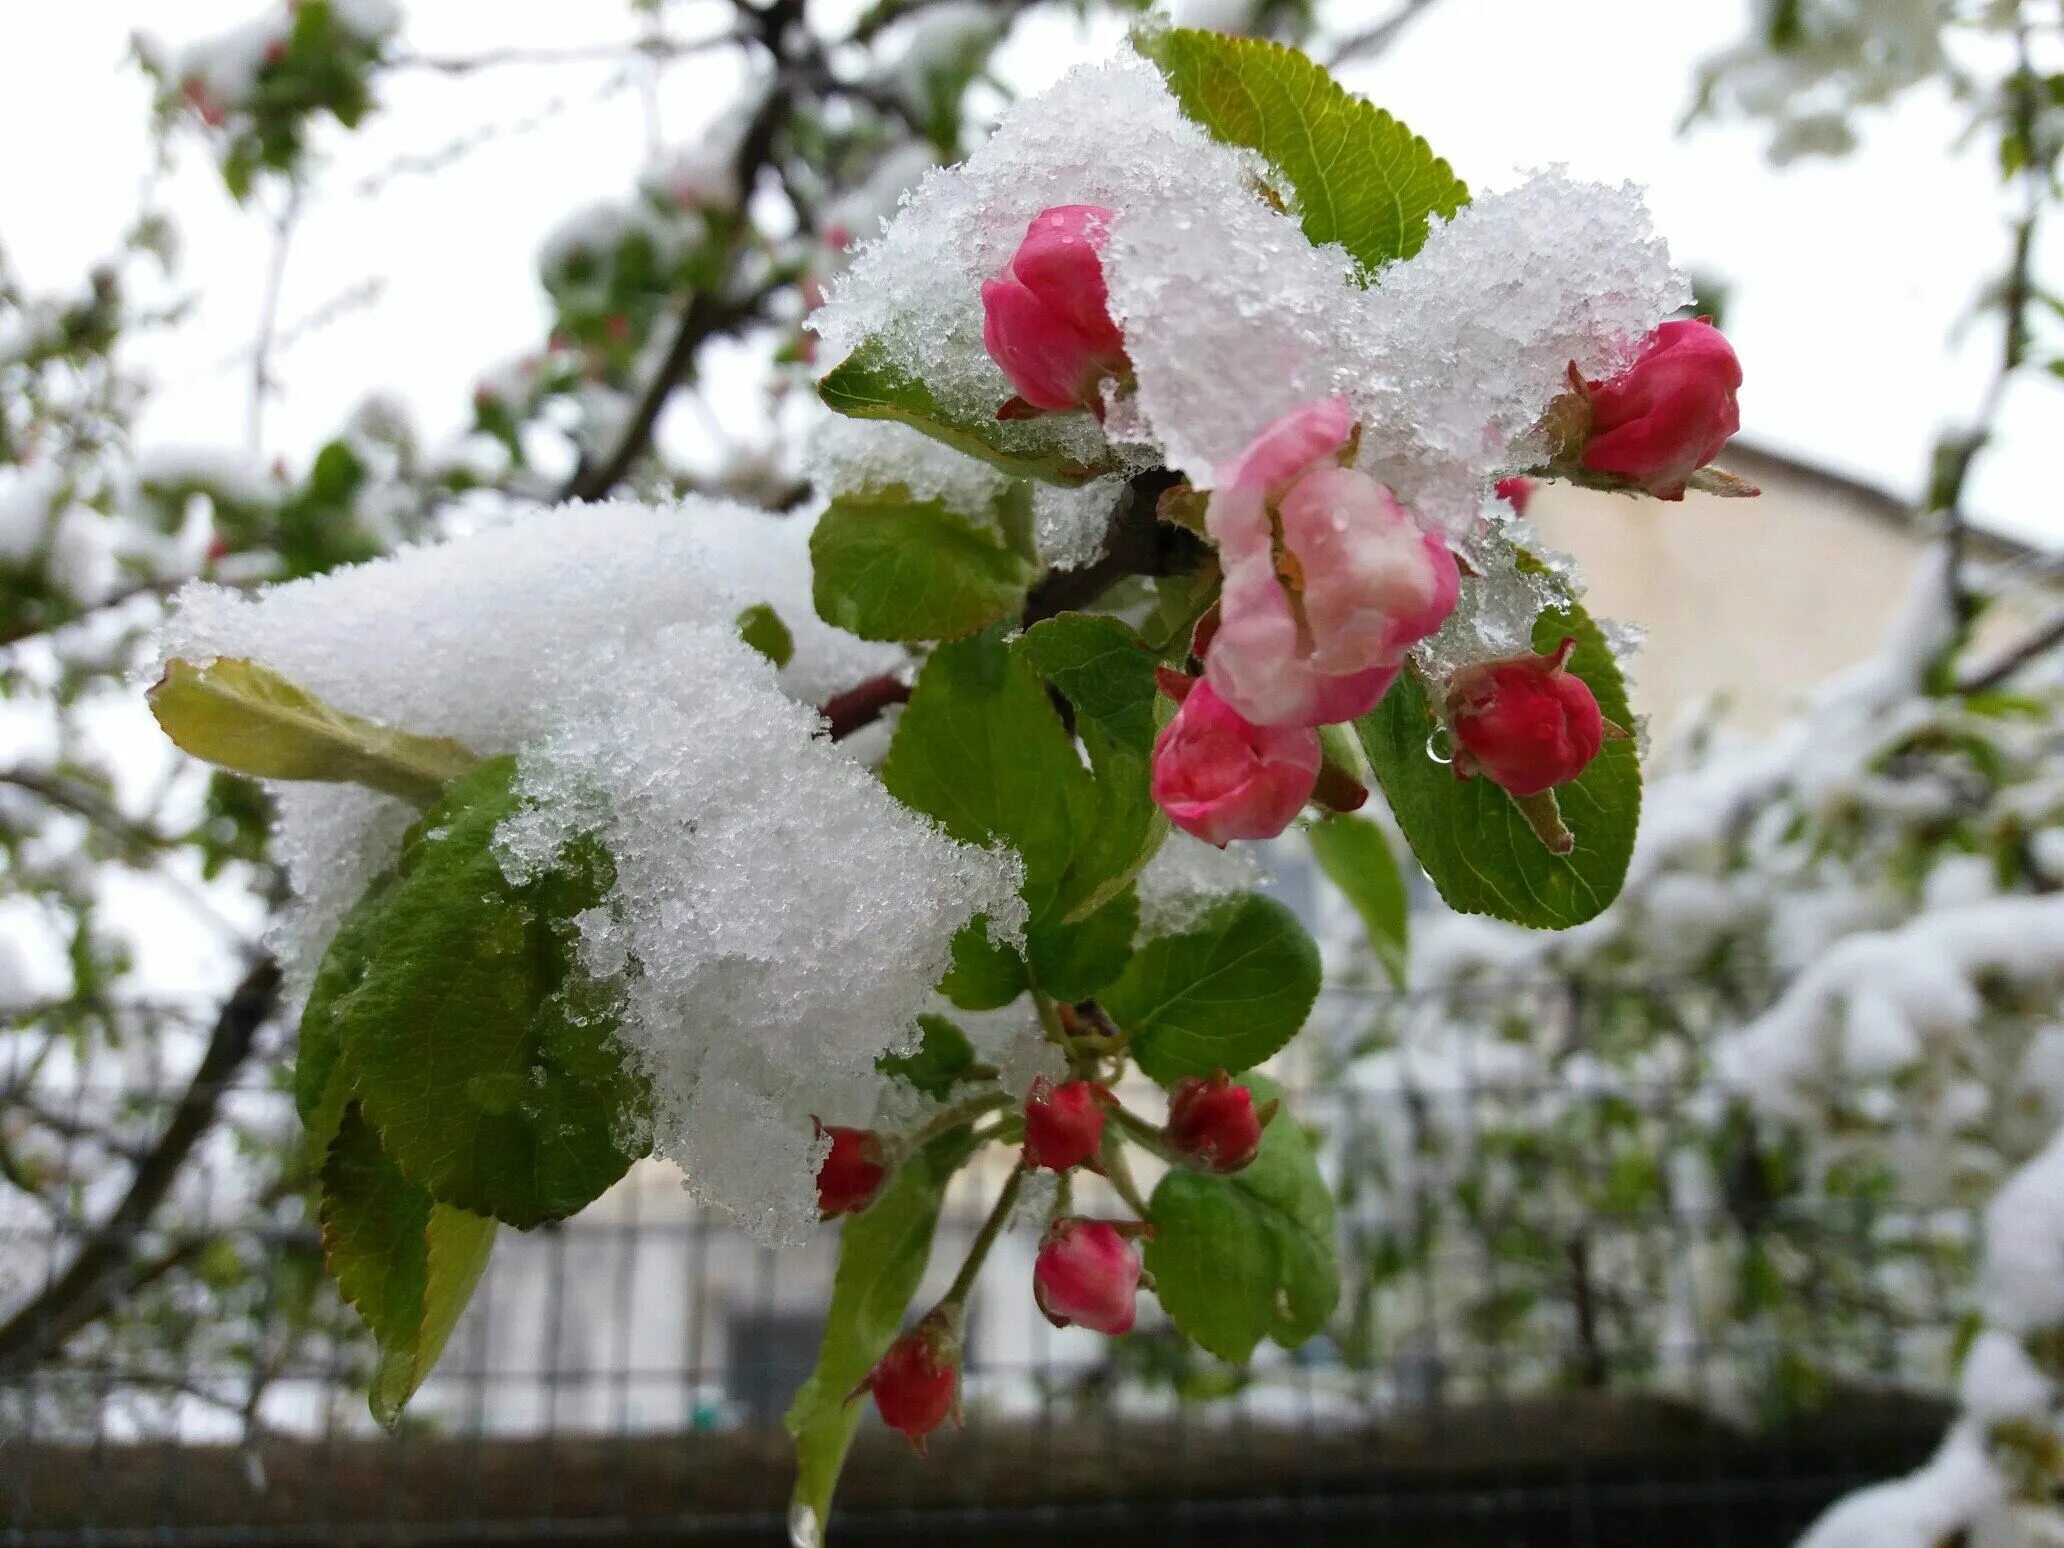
1847	277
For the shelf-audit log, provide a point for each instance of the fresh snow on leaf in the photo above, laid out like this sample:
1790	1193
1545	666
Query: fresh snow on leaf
760	979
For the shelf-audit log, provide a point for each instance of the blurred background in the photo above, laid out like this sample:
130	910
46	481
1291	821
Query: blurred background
1685	1222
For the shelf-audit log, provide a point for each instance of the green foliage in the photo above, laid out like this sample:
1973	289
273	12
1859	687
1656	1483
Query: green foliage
405	1261
868	385
1362	178
938	1063
323	1085
761	628
1249	1256
482	1052
1356	858
984	975
244	717
1223	996
889	567
982	750
1470	837
882	1256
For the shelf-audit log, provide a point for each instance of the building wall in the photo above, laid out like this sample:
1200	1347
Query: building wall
1753	601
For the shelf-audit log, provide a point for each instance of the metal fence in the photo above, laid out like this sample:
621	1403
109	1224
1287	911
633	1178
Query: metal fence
1515	1362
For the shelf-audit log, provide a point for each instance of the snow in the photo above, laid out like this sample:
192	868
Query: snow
598	643
1187	878
26	495
1923	1510
2001	1382
1868	1005
2023	1281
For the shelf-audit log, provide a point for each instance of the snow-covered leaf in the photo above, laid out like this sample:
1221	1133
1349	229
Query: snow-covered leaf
1249	1256
484	1054
242	716
869	385
1363	179
1223	996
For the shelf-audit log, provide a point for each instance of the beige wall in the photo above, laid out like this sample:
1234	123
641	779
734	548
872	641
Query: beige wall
1755	600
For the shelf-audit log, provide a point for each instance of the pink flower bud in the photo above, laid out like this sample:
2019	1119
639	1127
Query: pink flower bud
1087	1275
1328	580
1212	1123
1526	723
1669	413
1222	778
1064	1123
851	1174
1047	319
1515	492
916	1385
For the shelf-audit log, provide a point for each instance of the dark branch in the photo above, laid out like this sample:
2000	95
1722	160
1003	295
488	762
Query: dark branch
101	1273
1139	543
2045	639
863	704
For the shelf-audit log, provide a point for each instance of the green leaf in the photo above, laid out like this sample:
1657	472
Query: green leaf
323	1084
1106	673
1356	858
484	1054
407	1263
894	568
1362	178
869	385
937	1063
244	717
1469	836
882	1256
761	628
1224	996
1074	960
1250	1256
984	975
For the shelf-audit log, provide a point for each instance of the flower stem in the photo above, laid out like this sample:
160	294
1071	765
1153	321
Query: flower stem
1118	1173
978	1251
1142	1133
953	1117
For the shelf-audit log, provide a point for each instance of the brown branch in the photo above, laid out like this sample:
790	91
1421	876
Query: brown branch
1138	543
1371	43
101	1273
82	800
863	704
2046	638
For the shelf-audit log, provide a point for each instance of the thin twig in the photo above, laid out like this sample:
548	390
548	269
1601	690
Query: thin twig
268	320
978	1251
2046	638
656	49
99	1275
1371	43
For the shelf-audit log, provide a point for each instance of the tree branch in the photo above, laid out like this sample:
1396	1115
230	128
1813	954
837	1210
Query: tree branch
2046	638
99	1276
1138	543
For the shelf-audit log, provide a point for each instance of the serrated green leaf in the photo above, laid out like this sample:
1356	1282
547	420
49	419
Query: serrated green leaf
1225	996
406	1263
1356	858
937	1063
322	1082
888	568
1249	1256
1106	673
882	1256
1074	959
1362	178
869	385
484	1055
761	628
245	717
1471	839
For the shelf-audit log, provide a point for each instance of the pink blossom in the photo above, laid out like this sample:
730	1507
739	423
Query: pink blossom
1212	1123
916	1385
1669	413
1047	318
1064	1124
1221	777
1328	580
1087	1275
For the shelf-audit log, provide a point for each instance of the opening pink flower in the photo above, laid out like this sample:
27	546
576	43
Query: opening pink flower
1047	317
1669	413
1328	580
1221	777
